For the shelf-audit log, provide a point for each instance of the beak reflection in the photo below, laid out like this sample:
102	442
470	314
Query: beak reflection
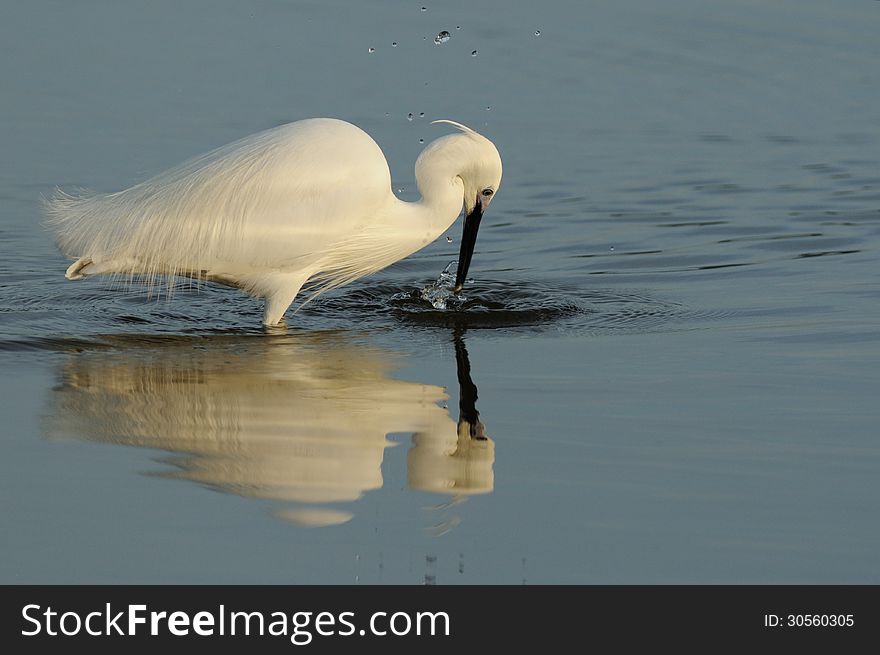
458	461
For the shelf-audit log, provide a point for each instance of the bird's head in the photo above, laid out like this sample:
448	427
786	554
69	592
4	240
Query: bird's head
477	167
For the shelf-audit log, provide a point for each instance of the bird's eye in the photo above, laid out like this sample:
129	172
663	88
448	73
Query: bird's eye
487	192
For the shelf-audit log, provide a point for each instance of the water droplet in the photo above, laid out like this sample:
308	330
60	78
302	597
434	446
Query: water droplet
394	44
409	116
424	9
458	27
474	53
489	108
537	32
448	239
371	50
443	37
421	114
421	140
611	249
401	189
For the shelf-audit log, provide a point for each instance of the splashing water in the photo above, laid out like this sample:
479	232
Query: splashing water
439	293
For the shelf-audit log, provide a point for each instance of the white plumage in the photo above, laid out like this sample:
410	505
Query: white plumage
309	201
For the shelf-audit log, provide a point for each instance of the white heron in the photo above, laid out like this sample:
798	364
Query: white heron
310	201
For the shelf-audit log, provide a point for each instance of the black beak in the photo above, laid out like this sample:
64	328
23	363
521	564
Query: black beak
468	241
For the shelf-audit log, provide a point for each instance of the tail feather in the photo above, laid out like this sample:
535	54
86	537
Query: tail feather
188	218
106	236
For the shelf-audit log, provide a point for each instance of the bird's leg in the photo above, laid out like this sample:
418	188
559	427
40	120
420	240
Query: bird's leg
86	267
75	271
275	308
282	291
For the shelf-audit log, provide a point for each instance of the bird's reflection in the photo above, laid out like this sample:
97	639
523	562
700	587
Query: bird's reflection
302	419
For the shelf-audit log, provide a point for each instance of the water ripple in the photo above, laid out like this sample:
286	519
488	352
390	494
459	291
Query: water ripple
503	306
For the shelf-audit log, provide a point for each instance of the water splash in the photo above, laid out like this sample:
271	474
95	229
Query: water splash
439	293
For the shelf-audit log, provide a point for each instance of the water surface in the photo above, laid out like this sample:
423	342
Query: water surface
665	370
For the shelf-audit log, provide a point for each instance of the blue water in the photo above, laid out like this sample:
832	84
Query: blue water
666	368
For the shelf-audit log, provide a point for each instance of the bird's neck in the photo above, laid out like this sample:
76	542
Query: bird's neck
441	202
413	225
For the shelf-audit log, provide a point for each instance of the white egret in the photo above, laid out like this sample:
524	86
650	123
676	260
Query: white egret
307	202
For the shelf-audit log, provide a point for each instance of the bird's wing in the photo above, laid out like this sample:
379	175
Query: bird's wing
275	200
